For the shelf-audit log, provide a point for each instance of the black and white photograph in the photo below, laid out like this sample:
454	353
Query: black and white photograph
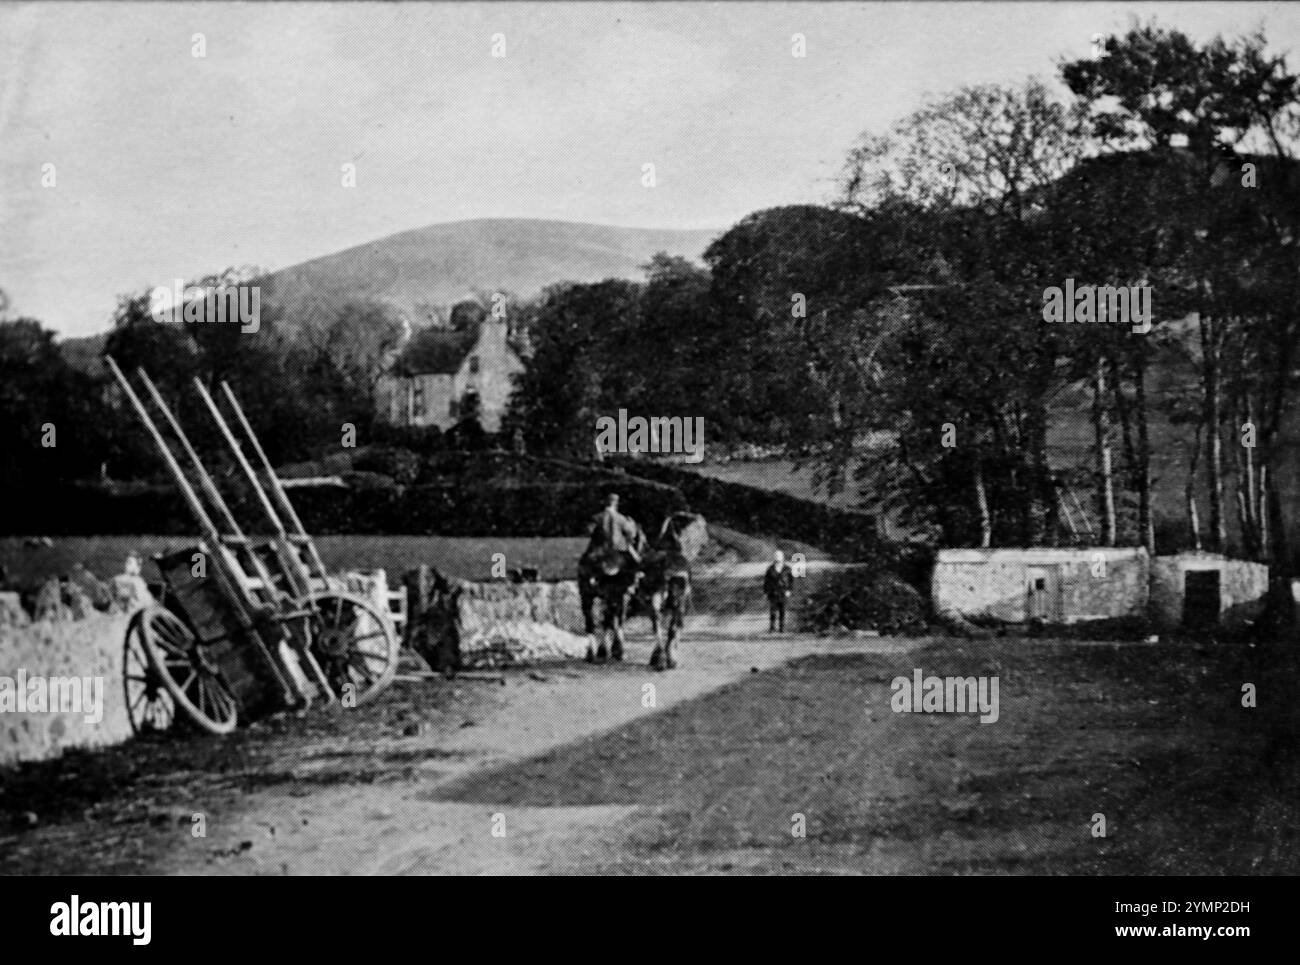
651	439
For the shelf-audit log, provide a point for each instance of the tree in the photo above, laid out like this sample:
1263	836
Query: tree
1194	107
985	146
781	280
956	187
675	339
579	369
52	429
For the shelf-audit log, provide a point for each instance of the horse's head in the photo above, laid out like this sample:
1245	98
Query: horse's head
683	534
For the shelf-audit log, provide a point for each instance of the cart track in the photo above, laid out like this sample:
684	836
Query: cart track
339	794
746	741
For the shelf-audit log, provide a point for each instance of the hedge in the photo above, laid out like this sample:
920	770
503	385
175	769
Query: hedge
524	509
500	509
764	512
848	534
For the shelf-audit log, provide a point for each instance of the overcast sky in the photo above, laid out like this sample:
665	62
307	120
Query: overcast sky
168	165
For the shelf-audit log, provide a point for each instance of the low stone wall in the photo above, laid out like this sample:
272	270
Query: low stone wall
45	720
519	621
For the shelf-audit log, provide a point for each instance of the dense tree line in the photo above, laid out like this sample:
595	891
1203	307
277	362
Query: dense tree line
896	337
300	382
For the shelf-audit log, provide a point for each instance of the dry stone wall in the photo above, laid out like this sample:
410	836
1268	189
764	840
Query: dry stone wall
61	685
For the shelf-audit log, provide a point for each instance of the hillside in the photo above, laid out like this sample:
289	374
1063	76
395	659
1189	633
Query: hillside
438	265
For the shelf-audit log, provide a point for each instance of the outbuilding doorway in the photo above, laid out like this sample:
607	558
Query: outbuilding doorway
1201	598
1043	594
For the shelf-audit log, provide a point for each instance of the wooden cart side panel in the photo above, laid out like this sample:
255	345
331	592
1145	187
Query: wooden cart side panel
245	664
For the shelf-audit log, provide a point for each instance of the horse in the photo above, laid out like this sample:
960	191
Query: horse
610	576
660	583
664	589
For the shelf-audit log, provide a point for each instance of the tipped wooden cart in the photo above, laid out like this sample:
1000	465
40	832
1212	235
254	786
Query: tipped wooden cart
245	627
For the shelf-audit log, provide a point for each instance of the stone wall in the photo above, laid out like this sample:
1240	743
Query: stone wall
34	654
519	621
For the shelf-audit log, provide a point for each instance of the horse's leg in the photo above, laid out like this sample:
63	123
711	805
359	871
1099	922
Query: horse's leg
616	648
676	619
607	617
587	594
656	613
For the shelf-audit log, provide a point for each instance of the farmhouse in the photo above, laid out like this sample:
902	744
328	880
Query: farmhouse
459	370
1093	583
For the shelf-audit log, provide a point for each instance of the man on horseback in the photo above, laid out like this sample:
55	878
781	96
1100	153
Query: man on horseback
612	532
609	568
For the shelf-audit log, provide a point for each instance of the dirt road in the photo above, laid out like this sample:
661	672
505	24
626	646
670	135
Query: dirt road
755	756
375	792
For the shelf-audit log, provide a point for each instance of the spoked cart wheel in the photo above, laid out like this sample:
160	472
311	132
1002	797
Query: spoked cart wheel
149	705
166	673
352	641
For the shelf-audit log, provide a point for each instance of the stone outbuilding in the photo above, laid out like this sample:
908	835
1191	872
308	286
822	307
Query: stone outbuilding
1071	585
1064	585
1206	589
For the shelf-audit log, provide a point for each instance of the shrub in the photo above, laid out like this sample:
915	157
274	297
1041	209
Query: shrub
858	600
419	439
398	463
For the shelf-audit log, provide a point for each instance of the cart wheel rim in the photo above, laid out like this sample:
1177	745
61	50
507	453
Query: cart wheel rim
354	643
149	705
197	692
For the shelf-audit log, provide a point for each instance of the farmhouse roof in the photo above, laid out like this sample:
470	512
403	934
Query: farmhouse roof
442	351
437	351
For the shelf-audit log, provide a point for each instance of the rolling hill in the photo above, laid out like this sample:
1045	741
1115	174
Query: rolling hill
436	266
439	264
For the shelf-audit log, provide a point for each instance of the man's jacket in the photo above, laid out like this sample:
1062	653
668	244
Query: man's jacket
778	583
611	528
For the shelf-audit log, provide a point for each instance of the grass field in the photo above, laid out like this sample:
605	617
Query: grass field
469	559
464	558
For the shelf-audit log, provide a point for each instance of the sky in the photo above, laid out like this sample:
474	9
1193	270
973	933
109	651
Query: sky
168	165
